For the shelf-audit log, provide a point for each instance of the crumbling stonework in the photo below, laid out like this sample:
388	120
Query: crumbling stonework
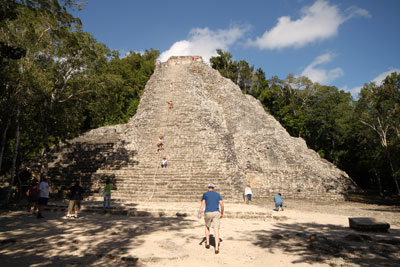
213	133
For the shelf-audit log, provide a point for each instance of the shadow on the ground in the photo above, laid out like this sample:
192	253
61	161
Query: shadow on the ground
395	209
320	243
373	198
85	241
212	241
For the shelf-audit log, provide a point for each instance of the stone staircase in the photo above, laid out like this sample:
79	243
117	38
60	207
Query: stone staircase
214	133
187	148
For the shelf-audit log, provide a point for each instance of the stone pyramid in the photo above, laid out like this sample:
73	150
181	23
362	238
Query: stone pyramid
213	133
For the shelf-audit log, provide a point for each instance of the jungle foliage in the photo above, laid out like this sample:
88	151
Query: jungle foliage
57	81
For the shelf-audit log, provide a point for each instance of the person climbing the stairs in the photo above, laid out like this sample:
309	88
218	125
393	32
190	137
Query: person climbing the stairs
160	142
170	104
171	86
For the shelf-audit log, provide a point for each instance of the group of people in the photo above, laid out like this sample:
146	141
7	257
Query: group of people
248	194
213	207
161	142
38	196
170	103
211	204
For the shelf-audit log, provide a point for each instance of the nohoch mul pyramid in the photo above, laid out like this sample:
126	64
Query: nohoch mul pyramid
212	133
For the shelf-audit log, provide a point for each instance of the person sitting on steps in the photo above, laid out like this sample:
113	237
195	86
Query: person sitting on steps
164	162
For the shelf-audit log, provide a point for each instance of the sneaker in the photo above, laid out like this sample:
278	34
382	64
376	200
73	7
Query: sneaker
68	215
75	216
39	216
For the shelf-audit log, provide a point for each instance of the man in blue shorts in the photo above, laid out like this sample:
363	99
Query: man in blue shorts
212	201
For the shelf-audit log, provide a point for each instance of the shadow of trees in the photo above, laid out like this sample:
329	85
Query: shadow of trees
374	198
81	160
86	241
319	243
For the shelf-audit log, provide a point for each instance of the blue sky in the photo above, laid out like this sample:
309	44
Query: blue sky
344	43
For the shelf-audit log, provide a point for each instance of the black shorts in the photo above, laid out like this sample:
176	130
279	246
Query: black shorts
32	199
43	201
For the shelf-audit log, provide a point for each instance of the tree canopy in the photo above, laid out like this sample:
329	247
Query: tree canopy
57	81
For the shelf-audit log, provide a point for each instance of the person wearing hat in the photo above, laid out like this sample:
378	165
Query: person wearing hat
212	202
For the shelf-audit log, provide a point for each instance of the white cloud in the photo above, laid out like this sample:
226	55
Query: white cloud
124	53
204	42
354	91
318	22
316	74
379	79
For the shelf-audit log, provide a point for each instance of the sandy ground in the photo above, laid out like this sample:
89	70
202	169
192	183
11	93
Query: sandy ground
304	234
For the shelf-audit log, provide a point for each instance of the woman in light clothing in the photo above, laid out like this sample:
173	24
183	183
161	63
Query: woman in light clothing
248	193
107	194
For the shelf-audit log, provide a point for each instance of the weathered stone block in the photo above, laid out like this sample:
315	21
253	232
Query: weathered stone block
368	224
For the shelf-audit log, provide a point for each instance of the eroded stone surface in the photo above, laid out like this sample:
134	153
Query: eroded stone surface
214	133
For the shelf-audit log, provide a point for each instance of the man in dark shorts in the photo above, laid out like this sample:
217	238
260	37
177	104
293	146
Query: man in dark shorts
75	197
212	201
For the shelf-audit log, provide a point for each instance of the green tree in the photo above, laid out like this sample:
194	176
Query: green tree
35	28
378	107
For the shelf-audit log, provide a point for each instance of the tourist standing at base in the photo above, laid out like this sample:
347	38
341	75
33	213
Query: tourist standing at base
278	202
75	197
107	194
44	191
212	202
248	193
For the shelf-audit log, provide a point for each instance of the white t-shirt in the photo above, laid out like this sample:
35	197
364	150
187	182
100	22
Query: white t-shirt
44	189
247	191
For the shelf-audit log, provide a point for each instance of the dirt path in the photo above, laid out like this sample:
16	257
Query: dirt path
304	234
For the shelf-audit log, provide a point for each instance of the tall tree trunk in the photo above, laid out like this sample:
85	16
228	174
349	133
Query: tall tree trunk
3	141
43	157
14	162
392	170
378	181
20	195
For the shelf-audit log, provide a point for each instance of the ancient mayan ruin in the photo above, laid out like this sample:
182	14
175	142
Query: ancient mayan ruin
213	133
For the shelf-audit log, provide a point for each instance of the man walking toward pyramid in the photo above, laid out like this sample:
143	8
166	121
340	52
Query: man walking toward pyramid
212	201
